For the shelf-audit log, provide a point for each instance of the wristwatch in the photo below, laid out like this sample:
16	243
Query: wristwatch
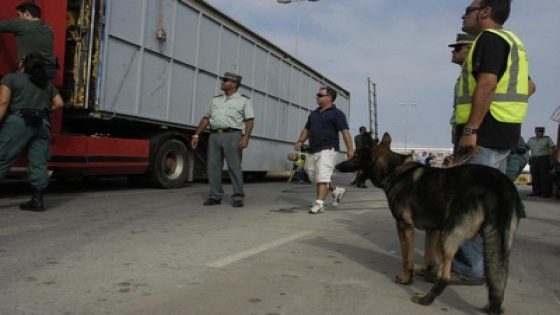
469	131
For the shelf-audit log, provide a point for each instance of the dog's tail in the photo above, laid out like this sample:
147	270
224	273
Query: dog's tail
496	261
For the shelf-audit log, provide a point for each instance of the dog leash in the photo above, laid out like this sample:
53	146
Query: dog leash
464	158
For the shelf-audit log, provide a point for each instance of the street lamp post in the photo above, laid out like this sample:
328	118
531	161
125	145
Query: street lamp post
298	21
406	107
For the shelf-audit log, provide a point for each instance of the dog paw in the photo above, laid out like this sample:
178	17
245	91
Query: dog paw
423	299
404	280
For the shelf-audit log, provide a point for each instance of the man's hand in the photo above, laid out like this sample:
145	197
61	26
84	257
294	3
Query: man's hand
244	142
467	144
349	155
297	145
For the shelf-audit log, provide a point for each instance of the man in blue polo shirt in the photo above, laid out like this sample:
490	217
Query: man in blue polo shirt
322	128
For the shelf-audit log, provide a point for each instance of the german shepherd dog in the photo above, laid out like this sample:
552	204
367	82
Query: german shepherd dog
458	202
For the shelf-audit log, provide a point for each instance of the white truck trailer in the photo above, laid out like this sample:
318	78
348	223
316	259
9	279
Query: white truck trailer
137	76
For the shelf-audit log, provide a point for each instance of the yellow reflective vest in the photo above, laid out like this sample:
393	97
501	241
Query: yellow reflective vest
300	159
510	101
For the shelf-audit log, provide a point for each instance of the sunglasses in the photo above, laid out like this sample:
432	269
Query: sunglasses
321	95
458	48
227	80
469	10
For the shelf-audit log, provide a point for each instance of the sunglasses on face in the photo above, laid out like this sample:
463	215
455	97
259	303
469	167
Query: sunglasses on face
469	10
321	95
458	48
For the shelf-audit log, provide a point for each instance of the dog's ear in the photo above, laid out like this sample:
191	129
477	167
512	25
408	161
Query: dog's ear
386	141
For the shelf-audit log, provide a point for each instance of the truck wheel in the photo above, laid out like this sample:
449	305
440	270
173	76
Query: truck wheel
170	165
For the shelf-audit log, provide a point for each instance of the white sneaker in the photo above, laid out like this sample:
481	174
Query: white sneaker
317	208
338	194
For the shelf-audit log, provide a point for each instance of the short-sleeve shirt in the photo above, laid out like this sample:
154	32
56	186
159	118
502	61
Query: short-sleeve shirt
32	37
229	112
490	55
540	146
323	127
25	94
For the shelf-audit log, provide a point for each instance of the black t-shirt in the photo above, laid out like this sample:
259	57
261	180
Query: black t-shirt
490	55
323	127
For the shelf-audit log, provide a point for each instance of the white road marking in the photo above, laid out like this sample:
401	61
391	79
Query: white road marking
222	262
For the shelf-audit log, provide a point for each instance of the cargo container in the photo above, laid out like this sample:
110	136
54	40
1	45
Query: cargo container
137	76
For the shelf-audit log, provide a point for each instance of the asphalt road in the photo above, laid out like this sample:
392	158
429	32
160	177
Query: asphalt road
108	248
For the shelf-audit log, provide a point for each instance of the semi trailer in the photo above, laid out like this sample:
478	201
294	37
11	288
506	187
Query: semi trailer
137	75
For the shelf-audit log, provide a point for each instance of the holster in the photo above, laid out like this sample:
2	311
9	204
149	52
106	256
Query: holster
32	117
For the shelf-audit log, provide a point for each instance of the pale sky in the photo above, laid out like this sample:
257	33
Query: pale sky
402	46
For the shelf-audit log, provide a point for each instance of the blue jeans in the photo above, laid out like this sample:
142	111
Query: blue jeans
469	260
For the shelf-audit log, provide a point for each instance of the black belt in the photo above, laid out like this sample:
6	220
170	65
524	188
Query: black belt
29	112
224	130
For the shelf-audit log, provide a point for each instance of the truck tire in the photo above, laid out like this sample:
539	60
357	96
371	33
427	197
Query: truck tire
170	165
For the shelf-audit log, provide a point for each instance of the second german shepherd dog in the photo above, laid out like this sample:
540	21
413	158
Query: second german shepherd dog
459	202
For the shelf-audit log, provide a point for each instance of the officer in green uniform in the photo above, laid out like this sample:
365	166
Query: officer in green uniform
227	116
32	35
25	99
541	147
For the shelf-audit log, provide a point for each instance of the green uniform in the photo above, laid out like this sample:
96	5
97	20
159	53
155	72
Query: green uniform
541	149
20	132
32	37
229	113
517	160
227	116
542	146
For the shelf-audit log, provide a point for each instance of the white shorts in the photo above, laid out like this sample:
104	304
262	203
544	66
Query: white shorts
320	166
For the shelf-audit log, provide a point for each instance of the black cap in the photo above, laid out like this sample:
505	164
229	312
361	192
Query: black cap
232	76
463	39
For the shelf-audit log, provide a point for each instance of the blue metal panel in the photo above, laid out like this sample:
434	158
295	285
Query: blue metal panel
206	89
121	93
271	120
209	42
125	17
181	99
261	68
246	58
185	34
273	79
296	87
282	118
294	126
159	14
259	104
284	81
228	51
155	87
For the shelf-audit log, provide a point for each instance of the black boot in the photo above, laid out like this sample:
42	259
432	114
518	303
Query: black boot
36	203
